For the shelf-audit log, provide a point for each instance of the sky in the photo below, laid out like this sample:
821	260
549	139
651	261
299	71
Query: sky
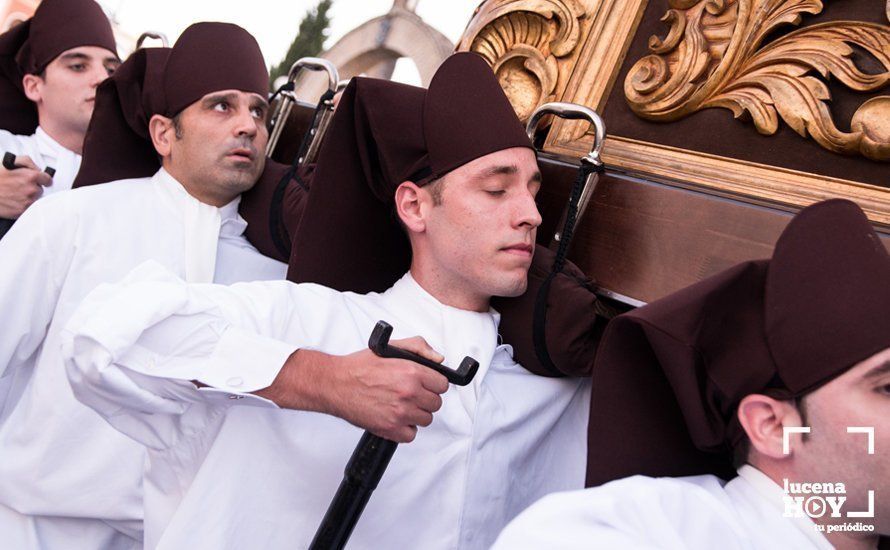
274	23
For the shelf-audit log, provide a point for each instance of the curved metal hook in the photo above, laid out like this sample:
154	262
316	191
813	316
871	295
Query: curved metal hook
285	104
572	111
154	35
315	64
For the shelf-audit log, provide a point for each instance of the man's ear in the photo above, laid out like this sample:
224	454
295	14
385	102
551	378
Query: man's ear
162	133
32	84
764	420
409	206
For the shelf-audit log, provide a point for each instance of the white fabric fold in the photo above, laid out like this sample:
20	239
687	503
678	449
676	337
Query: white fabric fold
202	224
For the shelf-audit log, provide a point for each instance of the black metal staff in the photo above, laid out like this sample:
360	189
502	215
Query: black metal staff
9	164
372	454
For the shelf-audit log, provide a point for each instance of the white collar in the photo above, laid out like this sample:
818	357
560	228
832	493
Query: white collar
203	226
231	222
408	286
771	492
49	147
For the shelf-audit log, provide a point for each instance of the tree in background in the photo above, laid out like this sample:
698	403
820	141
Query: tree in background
309	40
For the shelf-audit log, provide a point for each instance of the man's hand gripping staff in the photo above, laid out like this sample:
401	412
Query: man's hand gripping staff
373	453
19	190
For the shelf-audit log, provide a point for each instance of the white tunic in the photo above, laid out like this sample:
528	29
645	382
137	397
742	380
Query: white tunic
44	151
67	479
689	513
224	475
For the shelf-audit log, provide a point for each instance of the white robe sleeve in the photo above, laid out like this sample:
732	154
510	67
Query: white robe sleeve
32	271
133	349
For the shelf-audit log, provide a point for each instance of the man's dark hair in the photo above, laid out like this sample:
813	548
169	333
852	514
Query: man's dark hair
177	126
177	131
435	188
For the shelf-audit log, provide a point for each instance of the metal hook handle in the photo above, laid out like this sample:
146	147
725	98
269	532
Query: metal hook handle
315	64
9	163
379	344
572	111
285	104
154	35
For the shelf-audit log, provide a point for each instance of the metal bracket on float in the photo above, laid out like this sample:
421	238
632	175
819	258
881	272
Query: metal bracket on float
573	111
288	98
154	36
579	112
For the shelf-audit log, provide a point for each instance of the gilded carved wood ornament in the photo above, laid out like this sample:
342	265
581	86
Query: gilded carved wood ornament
572	50
522	40
714	56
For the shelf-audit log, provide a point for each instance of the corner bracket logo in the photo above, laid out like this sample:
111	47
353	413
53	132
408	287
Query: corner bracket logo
826	499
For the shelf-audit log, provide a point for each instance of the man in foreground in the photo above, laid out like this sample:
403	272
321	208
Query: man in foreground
51	64
173	365
783	365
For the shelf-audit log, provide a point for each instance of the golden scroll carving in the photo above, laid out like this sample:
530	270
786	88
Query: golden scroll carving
588	40
523	40
714	56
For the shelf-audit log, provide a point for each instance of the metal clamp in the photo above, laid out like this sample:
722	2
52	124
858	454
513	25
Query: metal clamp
572	111
153	35
288	97
315	64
